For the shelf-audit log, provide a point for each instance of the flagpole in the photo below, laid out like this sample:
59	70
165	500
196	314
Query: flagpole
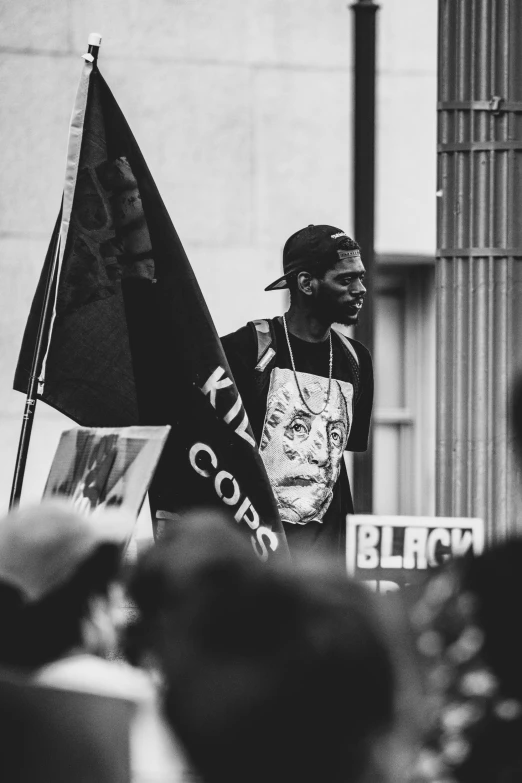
32	389
93	47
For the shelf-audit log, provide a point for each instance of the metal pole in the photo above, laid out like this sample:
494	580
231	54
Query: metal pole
364	204
32	390
93	47
94	42
479	269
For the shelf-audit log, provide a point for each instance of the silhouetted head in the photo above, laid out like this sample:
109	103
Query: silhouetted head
470	637
56	571
271	673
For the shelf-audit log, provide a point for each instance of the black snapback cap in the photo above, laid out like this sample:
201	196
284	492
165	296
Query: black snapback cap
307	248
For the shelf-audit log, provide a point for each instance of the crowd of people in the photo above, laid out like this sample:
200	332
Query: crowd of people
230	669
199	662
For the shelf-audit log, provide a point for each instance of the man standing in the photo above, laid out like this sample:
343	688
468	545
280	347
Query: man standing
308	389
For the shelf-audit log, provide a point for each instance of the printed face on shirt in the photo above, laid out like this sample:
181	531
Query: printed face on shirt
301	450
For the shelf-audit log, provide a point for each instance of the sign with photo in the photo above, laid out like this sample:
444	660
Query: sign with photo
390	552
103	466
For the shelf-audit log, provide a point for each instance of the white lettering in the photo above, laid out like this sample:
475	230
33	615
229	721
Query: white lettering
238	516
415	547
439	535
193	453
388	560
244	510
259	546
223	475
241	431
367	542
424	546
214	384
461	541
234	410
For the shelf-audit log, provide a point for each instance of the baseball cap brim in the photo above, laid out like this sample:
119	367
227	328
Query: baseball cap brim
306	248
278	284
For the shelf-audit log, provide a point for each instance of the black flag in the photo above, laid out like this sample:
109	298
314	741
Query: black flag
131	340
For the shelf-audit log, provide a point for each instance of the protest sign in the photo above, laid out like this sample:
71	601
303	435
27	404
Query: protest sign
106	466
389	552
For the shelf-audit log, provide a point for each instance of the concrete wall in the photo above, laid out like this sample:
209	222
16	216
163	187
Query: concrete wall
242	110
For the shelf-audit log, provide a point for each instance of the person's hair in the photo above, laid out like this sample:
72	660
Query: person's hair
36	633
474	633
495	579
323	265
271	674
164	573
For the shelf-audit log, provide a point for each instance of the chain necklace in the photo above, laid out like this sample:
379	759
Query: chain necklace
314	413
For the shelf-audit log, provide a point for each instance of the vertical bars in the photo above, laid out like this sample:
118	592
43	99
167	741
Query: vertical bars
479	235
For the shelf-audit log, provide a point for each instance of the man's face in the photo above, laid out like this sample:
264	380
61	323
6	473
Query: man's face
302	452
340	293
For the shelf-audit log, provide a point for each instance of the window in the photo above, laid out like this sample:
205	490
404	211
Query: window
404	410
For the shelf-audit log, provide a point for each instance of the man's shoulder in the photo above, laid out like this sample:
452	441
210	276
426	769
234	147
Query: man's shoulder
241	347
92	674
351	344
247	336
362	356
239	337
360	349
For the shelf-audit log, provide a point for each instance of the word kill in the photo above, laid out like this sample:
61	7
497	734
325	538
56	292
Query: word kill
204	461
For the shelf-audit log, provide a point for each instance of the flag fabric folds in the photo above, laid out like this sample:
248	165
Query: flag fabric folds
131	340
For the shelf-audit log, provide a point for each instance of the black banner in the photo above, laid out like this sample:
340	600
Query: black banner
132	340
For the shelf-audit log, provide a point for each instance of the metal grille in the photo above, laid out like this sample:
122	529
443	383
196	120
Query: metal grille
479	277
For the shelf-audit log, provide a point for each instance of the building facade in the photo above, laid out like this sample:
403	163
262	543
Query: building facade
242	109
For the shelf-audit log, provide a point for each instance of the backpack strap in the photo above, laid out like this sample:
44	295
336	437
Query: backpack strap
266	350
265	343
347	344
354	361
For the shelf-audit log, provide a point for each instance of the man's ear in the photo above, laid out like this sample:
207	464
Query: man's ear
305	283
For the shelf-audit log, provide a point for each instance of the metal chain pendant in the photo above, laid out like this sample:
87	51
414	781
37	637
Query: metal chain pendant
314	413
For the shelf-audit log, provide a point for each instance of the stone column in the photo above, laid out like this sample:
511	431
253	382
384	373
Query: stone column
479	259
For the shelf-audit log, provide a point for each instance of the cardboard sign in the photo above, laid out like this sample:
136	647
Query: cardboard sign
392	552
106	466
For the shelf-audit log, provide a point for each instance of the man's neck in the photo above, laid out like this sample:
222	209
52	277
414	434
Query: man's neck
306	326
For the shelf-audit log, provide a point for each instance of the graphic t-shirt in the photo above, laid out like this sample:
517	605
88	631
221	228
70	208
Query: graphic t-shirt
301	444
306	429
